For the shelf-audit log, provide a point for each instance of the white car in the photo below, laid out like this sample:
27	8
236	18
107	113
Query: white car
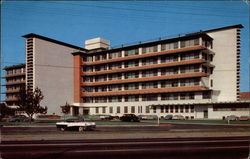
75	124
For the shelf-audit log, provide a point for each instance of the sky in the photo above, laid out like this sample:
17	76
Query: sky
121	22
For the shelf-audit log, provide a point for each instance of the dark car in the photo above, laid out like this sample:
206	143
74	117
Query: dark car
130	118
168	117
19	118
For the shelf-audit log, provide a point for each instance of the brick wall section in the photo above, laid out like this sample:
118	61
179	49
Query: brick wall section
77	78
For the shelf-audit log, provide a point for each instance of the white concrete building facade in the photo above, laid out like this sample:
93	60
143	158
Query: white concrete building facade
194	75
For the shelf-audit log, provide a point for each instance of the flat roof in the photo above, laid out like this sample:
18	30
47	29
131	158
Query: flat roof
14	66
32	35
226	27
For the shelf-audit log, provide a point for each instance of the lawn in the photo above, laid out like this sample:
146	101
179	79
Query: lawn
205	121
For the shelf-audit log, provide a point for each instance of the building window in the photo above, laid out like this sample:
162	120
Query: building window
177	109
134	98
110	110
125	109
115	99
169	71
206	95
150	97
150	61
181	109
132	52
192	108
149	85
116	76
100	57
131	64
171	109
190	56
114	87
114	66
188	43
131	86
97	110
169	58
169	46
139	109
149	73
118	109
103	110
154	109
162	109
166	109
114	55
147	109
131	75
133	109
211	83
88	100
89	58
149	49
186	108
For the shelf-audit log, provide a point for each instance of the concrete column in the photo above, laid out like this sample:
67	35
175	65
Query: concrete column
159	60
140	51
123	53
80	110
71	111
158	72
140	62
179	44
159	47
200	41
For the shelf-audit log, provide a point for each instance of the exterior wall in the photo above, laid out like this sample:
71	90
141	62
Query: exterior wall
223	114
53	65
225	60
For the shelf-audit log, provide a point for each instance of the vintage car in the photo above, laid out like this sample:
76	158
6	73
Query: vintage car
130	118
75	124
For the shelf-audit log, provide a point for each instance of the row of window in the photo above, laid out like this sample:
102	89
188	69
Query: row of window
144	85
147	97
154	48
15	79
148	73
144	62
13	87
148	109
15	71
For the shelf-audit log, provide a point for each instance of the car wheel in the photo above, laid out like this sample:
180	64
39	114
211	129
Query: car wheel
62	129
81	129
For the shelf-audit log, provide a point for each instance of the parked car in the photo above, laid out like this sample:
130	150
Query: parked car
178	117
75	124
148	117
108	117
130	118
19	118
168	117
232	118
244	118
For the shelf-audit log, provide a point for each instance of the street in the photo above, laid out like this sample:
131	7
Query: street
151	148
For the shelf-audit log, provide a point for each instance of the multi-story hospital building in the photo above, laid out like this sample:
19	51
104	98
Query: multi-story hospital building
195	75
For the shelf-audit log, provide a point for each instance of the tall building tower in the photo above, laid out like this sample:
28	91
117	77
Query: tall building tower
50	68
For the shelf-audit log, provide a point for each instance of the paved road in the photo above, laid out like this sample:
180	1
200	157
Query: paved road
154	148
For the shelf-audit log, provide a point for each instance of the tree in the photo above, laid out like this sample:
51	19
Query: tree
29	101
65	108
5	110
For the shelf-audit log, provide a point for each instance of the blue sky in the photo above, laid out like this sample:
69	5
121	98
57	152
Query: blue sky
121	22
